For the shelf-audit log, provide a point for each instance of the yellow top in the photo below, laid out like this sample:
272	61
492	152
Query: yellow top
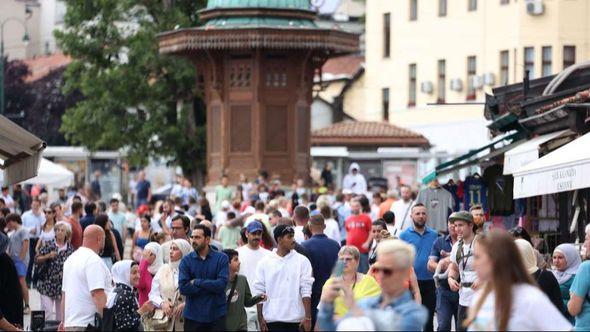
367	286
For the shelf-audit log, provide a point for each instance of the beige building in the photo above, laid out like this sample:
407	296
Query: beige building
420	52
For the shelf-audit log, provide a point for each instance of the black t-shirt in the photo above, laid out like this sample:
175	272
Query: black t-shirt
11	298
500	187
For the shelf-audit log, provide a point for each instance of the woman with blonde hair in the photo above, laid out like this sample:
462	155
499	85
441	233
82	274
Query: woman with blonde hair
510	300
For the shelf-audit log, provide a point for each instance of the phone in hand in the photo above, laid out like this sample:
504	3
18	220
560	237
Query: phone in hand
258	298
338	269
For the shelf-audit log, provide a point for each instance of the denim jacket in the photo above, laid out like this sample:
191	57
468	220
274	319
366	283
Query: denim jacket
403	314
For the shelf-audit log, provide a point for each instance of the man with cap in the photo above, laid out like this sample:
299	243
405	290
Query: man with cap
285	276
323	253
462	263
250	256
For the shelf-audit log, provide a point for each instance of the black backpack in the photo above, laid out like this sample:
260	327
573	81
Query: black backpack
107	322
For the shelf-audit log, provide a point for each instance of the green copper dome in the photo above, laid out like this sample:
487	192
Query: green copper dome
280	4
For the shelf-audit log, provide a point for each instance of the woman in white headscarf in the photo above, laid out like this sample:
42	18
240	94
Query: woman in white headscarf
164	294
545	279
566	261
151	262
123	298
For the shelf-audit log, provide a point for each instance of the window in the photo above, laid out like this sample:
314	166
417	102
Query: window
529	61
547	61
472	5
442	7
412	86
569	56
442	81
385	103
504	67
504	2
386	35
413	10
471	76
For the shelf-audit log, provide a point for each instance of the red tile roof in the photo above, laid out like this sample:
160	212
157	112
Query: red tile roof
343	65
381	134
42	65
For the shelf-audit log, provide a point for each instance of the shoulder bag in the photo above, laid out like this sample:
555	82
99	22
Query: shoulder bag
160	321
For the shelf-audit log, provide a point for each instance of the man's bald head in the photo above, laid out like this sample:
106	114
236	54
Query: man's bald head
94	238
207	224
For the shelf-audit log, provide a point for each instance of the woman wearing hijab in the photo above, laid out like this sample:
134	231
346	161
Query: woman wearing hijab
544	278
11	298
148	267
123	298
165	286
566	261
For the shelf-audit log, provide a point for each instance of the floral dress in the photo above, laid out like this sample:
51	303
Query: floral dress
50	284
125	314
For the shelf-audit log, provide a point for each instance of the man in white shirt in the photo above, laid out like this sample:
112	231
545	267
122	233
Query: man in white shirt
8	201
33	220
259	215
86	282
250	256
462	262
402	209
285	276
301	218
332	228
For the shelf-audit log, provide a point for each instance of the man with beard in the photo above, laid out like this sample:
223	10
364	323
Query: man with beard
203	276
285	276
250	255
422	238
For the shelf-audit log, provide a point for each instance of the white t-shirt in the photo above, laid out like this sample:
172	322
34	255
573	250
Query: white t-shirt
531	311
84	271
401	209
299	236
332	230
249	260
466	271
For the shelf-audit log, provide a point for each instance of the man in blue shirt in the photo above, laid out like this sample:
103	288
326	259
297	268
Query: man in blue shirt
422	238
447	301
323	253
203	276
394	309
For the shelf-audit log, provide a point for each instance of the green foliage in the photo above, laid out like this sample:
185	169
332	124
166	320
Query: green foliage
133	97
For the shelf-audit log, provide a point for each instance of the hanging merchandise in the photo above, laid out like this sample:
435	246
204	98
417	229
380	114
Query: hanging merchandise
439	204
500	200
475	192
453	189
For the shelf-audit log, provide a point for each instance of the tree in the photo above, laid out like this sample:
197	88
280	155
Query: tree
133	97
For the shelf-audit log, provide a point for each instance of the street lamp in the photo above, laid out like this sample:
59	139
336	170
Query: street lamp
26	40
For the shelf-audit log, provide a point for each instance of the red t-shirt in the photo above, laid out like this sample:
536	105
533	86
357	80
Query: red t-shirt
76	233
358	229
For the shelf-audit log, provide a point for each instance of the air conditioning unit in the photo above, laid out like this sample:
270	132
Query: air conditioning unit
476	82
489	79
456	85
427	87
535	7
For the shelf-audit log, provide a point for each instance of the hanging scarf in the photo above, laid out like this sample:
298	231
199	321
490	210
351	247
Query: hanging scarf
185	249
572	259
155	249
121	272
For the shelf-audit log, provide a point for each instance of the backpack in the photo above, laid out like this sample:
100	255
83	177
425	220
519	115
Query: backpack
108	314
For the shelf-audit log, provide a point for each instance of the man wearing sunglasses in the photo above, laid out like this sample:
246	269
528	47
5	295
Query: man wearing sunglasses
285	276
394	309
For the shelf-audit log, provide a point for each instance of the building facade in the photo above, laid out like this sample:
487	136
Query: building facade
421	52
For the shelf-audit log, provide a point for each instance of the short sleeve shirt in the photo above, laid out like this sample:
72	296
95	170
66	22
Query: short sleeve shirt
358	229
443	243
581	287
16	244
466	271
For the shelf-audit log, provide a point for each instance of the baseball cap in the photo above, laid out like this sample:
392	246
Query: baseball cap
254	226
347	192
225	205
461	215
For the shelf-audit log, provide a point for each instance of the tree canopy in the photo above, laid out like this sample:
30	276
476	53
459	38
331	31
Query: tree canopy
133	97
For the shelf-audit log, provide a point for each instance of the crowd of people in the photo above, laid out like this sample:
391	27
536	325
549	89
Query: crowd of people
264	257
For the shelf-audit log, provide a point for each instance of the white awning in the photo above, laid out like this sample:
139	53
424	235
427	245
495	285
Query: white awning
329	151
20	152
526	153
565	169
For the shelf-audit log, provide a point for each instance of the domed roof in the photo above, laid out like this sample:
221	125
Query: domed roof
279	4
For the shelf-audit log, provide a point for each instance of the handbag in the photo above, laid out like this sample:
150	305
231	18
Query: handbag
160	321
40	270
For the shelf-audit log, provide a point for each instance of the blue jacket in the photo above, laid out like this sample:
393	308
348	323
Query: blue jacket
323	253
203	282
403	314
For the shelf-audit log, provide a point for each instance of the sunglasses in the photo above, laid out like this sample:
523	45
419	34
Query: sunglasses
288	230
386	271
48	211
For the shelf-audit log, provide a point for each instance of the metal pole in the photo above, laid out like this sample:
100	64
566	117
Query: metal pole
2	74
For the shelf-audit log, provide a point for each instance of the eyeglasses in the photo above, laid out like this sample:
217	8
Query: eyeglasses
48	211
177	228
347	259
387	272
